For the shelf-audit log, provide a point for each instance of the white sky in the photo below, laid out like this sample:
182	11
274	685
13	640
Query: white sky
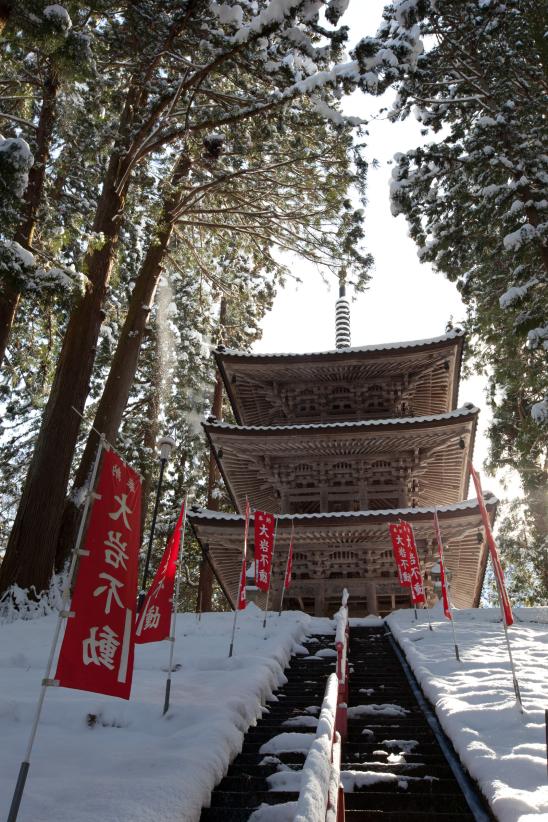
406	299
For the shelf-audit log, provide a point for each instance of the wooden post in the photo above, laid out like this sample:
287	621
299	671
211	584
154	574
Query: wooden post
319	601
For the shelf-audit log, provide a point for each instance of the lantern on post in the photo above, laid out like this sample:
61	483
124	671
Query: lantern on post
165	447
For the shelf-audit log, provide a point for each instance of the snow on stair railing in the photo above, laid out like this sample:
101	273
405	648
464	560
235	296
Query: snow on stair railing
341	643
321	798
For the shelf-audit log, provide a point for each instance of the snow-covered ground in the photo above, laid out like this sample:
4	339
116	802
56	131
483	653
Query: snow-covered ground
133	764
503	750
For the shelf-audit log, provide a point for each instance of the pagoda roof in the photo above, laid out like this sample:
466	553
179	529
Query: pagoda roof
253	460
253	380
451	336
197	514
464	411
322	541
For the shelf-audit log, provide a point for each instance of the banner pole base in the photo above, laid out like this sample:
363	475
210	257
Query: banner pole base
457	655
18	792
166	699
230	649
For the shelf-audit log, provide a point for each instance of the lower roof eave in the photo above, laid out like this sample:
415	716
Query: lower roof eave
202	515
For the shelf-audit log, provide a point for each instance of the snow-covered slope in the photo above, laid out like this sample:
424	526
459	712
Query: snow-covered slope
133	764
503	750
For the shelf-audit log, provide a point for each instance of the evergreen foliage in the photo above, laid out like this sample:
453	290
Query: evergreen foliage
474	195
204	136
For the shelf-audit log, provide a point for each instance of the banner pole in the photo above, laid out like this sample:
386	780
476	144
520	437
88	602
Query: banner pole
63	614
244	556
271	573
287	563
452	621
515	682
171	638
425	606
504	602
444	582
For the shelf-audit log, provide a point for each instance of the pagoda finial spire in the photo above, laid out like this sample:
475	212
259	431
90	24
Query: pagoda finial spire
342	317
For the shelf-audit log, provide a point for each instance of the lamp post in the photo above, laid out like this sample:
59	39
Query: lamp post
165	447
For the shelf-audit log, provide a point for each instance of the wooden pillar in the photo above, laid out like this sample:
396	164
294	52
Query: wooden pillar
324	499
364	499
319	601
371	598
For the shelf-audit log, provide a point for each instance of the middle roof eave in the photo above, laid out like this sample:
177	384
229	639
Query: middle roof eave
468	411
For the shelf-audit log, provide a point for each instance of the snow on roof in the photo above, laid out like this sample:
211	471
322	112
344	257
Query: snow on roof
467	505
451	335
464	411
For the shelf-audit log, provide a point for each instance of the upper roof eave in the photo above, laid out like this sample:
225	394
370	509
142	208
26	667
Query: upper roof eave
457	336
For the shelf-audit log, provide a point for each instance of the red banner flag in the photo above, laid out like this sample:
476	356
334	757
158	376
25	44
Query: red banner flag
497	567
445	596
264	544
154	621
97	650
409	567
289	566
417	584
401	553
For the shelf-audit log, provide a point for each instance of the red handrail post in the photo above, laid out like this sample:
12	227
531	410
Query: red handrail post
340	805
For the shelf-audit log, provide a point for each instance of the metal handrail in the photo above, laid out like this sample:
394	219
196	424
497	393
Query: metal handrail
322	766
341	642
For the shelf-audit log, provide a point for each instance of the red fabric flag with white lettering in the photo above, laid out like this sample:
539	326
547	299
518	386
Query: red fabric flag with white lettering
445	596
497	567
154	620
401	553
264	544
408	566
242	602
417	584
289	566
98	645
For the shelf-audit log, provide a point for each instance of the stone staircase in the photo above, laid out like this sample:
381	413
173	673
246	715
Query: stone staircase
245	786
392	765
388	734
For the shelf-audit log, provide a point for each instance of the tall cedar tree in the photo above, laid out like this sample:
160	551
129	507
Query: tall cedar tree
48	48
215	191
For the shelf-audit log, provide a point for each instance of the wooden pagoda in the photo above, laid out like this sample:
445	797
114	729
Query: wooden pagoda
339	444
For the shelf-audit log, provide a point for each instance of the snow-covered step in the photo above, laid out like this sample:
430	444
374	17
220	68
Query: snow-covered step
272	746
393	767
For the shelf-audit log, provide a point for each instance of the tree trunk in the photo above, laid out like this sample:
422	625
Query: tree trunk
10	296
30	552
205	584
112	404
5	11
